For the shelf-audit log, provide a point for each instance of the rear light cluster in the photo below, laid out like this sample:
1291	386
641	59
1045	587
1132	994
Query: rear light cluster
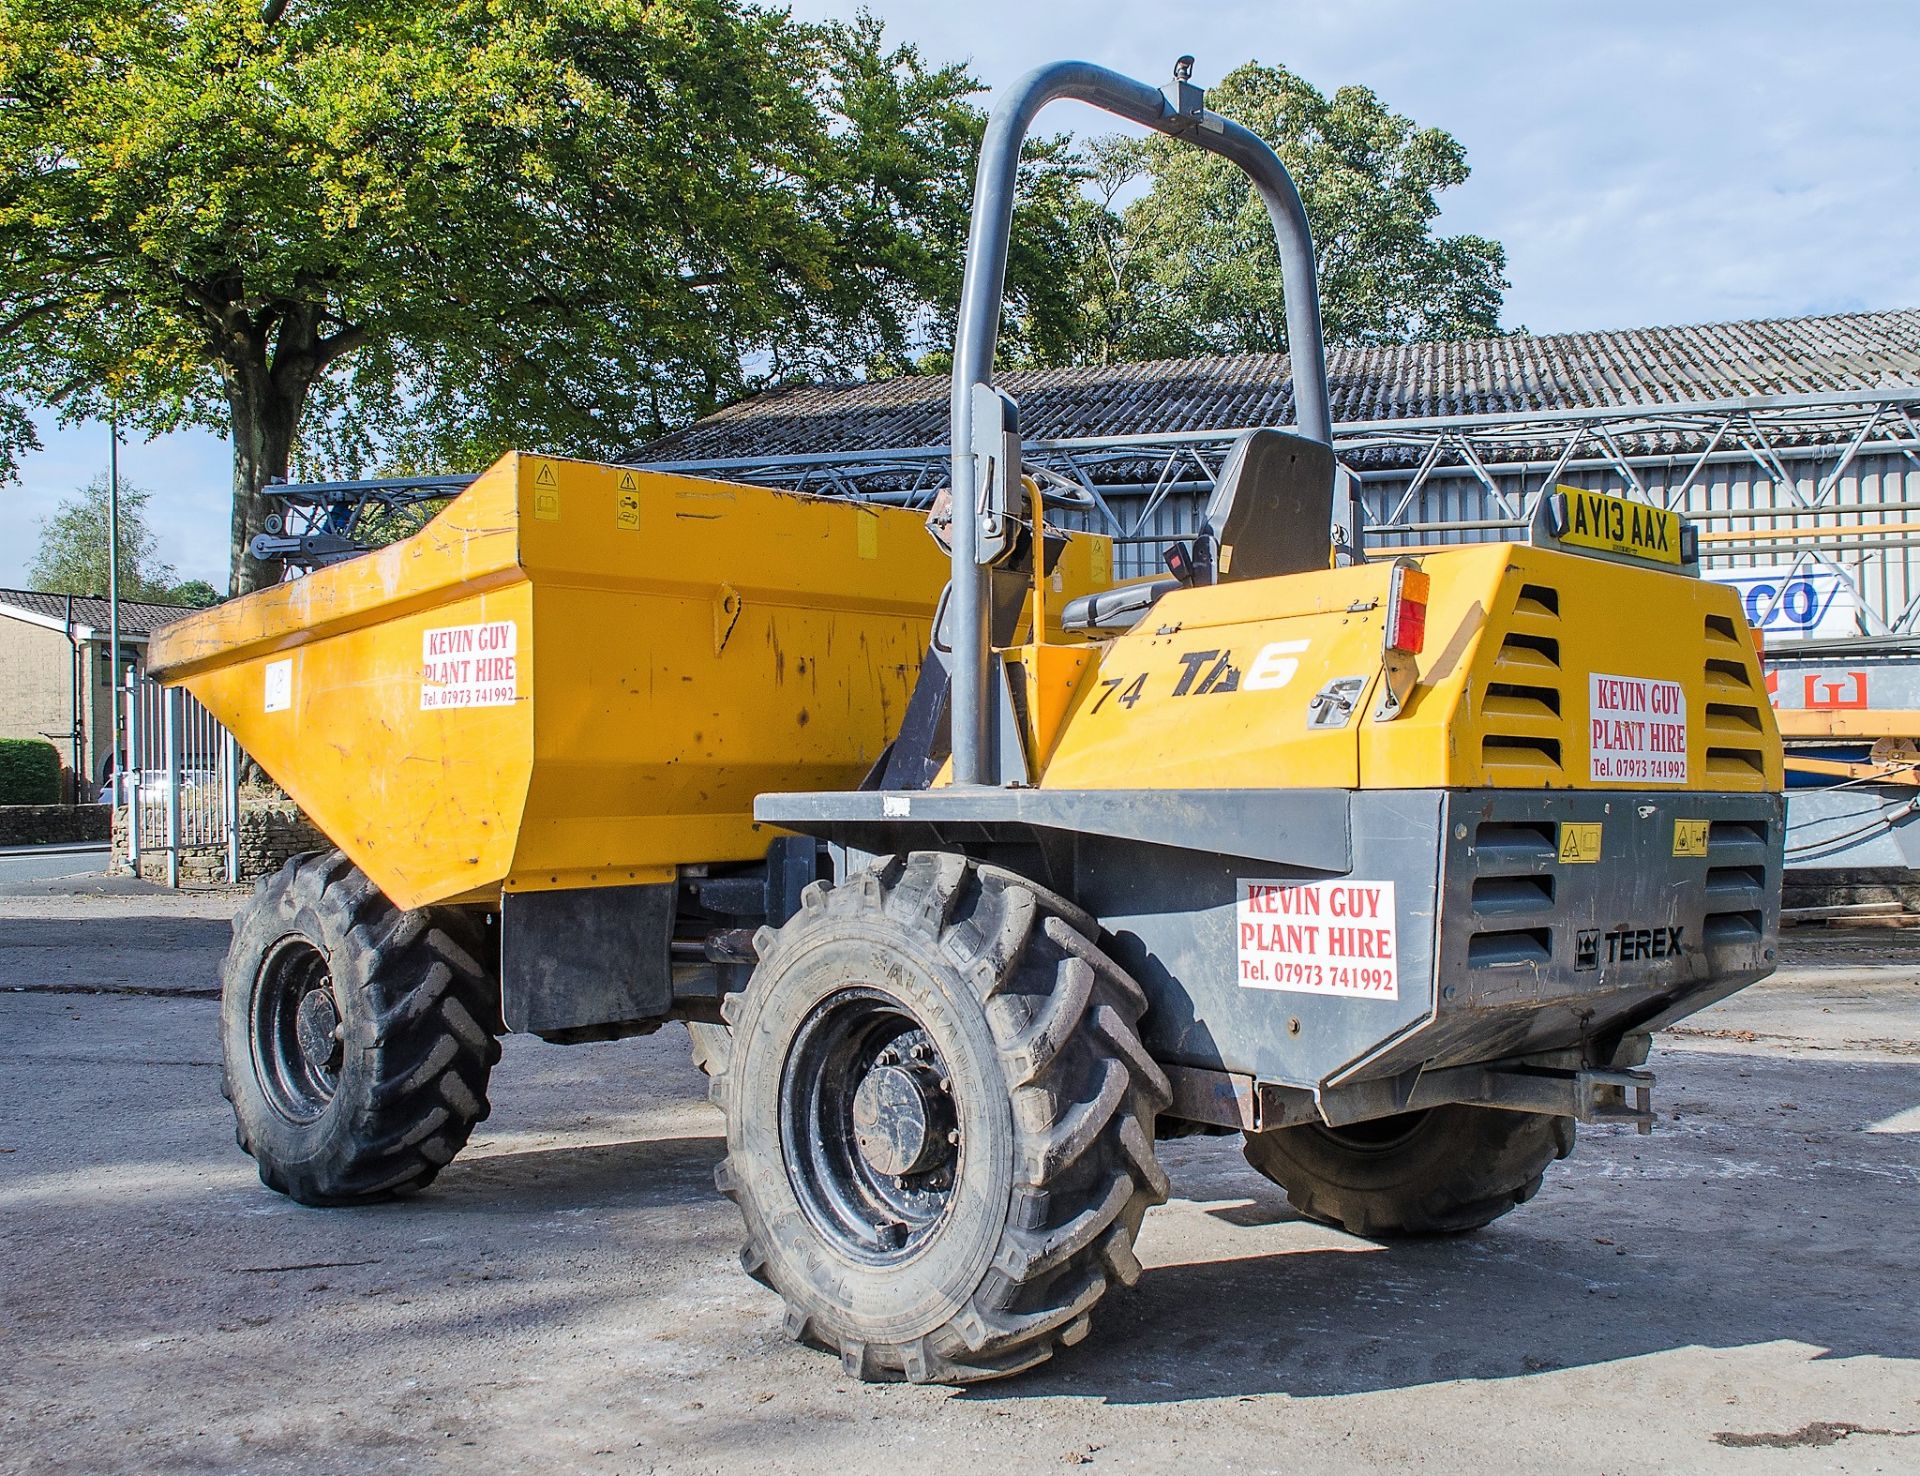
1407	609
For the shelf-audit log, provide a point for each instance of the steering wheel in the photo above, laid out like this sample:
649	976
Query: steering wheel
1058	492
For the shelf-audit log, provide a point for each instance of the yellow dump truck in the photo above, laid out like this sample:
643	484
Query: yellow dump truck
1392	867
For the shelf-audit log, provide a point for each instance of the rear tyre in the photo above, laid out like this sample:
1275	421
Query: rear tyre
711	1043
1434	1172
358	1038
939	1121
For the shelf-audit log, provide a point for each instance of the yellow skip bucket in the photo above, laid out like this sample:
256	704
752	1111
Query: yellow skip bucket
575	675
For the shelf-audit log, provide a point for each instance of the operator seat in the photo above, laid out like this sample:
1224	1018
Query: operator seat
1271	513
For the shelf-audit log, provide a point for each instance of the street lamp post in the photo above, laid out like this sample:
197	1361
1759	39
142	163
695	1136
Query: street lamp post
113	602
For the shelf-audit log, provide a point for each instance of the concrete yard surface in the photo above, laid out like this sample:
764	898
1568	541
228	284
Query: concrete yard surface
1736	1292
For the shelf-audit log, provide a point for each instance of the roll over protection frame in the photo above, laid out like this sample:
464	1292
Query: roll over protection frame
1179	111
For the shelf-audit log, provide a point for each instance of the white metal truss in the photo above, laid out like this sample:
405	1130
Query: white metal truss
1397	466
1406	480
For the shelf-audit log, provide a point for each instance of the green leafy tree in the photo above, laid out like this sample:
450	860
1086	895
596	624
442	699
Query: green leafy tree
898	170
1188	267
72	556
413	234
1120	307
195	592
893	171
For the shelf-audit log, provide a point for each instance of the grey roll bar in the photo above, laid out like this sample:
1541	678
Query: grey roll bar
1179	111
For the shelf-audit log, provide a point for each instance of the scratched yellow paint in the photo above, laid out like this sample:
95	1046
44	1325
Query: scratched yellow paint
742	640
1514	635
646	713
1215	687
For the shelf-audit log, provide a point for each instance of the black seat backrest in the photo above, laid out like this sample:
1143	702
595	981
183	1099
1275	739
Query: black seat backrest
1272	505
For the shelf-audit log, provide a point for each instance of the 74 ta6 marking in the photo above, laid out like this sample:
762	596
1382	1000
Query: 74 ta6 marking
1203	673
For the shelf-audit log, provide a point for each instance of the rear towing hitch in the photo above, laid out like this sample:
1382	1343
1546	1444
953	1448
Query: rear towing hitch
1586	1095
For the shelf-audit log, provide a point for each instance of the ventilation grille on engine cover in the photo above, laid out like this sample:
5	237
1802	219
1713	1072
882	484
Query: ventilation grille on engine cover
1513	893
1736	884
1514	874
1524	701
1735	733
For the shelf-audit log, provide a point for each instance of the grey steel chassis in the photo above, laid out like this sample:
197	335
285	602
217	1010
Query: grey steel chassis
1524	983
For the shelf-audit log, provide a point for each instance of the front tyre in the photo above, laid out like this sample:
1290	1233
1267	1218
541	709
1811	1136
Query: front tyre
1432	1172
939	1120
357	1038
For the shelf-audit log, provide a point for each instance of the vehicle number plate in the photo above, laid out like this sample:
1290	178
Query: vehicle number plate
1619	525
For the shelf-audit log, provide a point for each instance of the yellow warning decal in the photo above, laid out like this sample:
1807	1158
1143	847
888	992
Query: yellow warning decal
1690	837
1579	842
546	493
626	503
866	525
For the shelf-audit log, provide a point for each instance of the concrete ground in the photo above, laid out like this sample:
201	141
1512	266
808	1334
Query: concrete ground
1735	1293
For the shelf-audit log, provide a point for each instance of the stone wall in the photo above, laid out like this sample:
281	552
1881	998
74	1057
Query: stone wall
36	825
272	830
1895	894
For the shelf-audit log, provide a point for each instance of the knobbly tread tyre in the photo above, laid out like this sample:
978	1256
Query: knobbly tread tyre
1458	1168
419	1003
1082	1094
711	1045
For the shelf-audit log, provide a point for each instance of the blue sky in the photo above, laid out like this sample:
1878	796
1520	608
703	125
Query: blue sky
1643	163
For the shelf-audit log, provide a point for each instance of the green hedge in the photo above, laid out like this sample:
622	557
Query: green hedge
29	772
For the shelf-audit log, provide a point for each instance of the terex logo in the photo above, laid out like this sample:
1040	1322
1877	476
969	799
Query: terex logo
1624	945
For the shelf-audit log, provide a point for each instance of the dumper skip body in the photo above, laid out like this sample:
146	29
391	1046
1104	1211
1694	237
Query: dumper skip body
576	675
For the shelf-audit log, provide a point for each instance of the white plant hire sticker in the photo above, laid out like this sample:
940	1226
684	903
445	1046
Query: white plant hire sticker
1639	730
1334	937
470	665
279	694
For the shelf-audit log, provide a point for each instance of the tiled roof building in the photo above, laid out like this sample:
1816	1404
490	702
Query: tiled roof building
90	611
1851	352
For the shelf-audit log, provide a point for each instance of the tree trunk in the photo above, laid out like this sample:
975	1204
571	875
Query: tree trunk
268	361
264	421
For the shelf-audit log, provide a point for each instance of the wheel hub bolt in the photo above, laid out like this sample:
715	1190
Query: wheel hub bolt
319	1029
899	1125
